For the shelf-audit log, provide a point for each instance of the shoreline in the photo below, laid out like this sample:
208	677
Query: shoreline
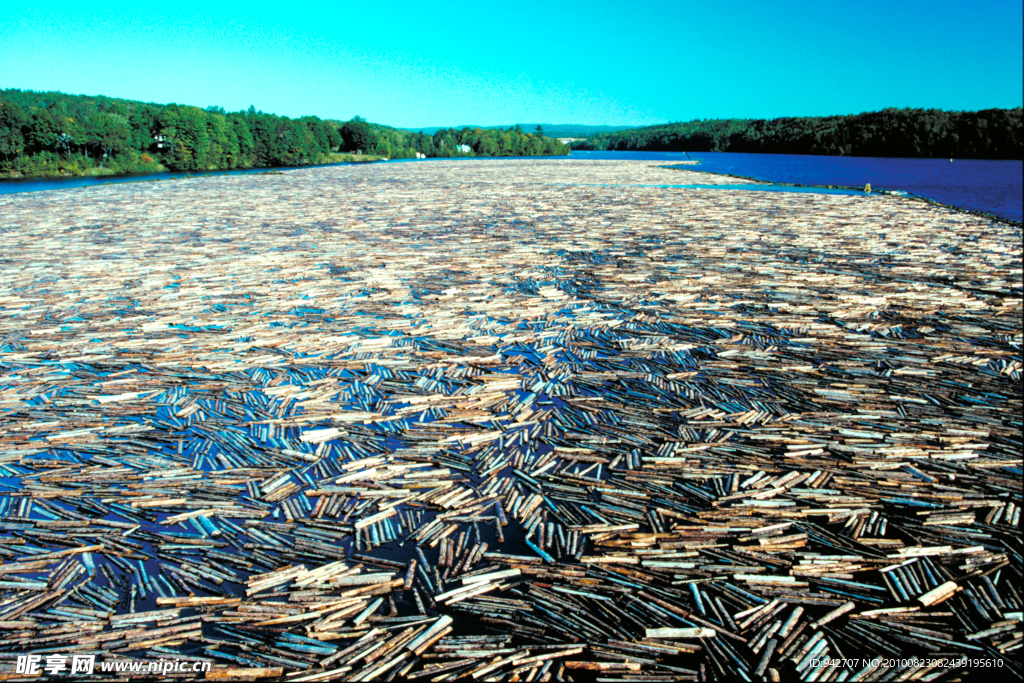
216	171
903	194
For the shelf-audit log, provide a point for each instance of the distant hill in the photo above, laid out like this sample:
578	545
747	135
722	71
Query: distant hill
551	130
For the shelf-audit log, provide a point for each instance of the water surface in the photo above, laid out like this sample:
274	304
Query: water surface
995	187
754	187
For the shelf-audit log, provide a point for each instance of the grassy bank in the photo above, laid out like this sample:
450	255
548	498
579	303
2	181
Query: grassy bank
343	158
72	170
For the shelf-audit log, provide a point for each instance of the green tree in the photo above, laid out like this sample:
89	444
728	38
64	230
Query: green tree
224	151
12	130
184	129
358	136
243	136
110	134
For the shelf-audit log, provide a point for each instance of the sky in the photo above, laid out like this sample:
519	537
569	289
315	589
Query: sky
410	64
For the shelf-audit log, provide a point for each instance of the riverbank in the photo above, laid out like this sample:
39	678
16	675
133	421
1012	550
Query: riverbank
156	169
111	171
13	186
535	416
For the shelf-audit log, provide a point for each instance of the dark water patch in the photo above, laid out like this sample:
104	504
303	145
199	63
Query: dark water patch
753	187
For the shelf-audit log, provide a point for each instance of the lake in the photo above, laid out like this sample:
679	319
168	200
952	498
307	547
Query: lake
994	187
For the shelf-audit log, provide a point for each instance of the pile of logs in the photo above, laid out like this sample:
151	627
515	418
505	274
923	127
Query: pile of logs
509	420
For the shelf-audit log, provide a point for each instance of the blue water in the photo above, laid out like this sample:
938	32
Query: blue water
756	187
995	187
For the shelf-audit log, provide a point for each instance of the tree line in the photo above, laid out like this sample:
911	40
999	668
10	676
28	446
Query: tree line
53	134
986	134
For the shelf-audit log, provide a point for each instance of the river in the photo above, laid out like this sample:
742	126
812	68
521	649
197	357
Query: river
994	187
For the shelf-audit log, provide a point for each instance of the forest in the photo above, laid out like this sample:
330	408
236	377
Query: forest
53	134
986	134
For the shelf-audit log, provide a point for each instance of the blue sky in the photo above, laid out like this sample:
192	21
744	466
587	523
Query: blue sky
421	64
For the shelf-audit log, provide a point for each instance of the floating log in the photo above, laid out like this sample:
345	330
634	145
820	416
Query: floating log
508	419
